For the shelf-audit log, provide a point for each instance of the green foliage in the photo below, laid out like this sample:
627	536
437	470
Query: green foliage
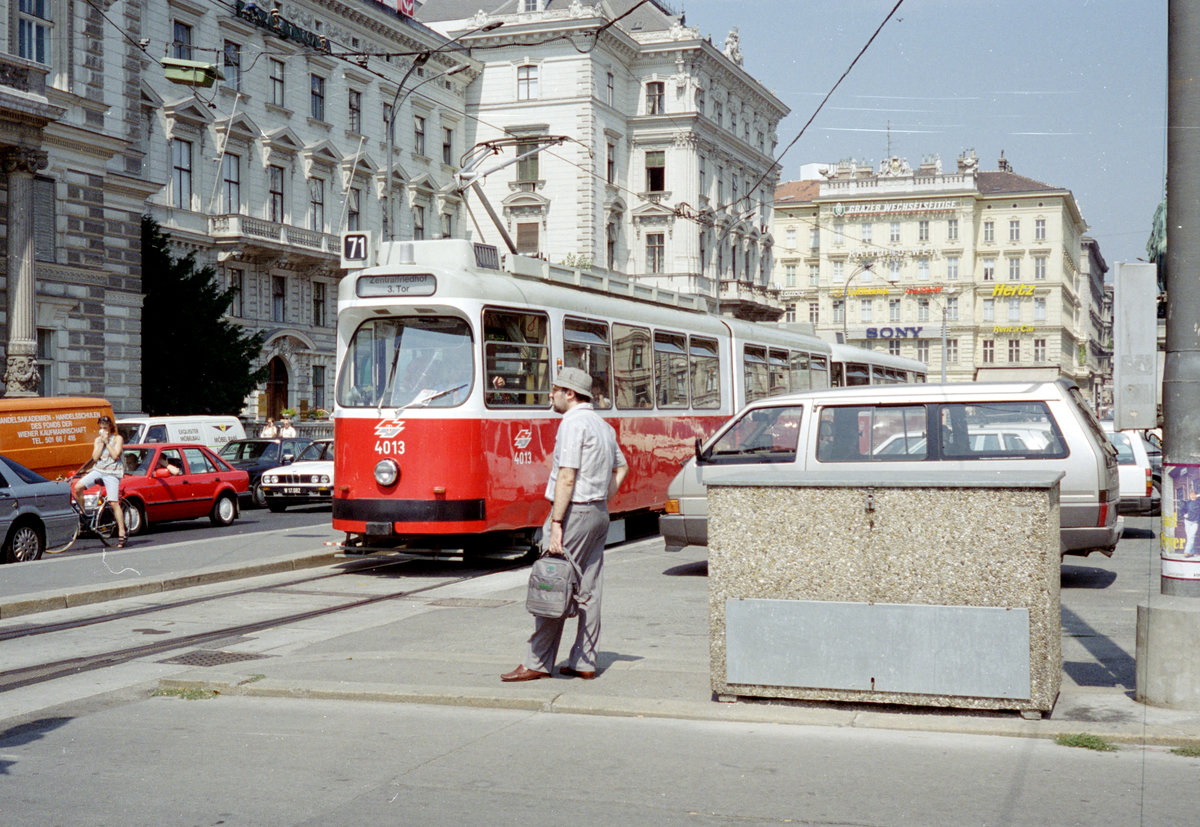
194	360
1084	741
579	262
1189	751
187	694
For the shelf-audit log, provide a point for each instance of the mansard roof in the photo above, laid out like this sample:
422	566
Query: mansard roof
656	15
999	183
796	192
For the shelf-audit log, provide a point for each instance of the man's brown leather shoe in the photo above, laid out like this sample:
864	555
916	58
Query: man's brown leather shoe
522	674
575	673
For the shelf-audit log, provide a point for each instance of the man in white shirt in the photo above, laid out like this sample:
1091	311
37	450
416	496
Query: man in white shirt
588	469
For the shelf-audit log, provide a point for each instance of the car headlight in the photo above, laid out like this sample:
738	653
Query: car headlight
325	479
269	479
90	501
387	472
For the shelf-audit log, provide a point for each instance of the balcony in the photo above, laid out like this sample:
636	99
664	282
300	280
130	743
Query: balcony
750	301
249	238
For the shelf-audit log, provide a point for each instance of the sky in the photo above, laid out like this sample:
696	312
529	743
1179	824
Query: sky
1073	91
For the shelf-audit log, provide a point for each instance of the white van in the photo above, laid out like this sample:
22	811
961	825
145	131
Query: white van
213	431
891	430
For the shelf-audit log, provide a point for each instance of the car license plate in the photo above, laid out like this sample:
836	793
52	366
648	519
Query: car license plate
293	491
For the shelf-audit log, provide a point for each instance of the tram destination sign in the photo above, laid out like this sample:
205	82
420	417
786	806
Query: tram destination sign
375	287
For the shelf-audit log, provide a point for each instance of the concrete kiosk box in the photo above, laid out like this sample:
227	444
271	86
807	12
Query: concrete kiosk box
933	590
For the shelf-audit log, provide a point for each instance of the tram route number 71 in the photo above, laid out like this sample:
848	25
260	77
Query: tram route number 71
356	250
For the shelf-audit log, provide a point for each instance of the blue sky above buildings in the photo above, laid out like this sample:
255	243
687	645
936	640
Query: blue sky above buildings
1074	92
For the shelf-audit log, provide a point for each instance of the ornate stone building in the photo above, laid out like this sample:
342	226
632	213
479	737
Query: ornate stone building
887	257
666	171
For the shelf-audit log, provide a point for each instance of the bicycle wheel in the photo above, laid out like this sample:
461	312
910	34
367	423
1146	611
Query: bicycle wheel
71	542
104	523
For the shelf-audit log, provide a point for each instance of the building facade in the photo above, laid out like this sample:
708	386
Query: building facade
982	274
664	168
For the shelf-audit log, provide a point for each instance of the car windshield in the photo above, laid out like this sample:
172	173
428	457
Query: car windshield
1124	449
408	362
316	451
249	450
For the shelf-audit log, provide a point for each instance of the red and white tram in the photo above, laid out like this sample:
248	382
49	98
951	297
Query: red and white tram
445	363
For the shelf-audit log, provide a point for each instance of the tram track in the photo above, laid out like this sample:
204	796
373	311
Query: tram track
24	676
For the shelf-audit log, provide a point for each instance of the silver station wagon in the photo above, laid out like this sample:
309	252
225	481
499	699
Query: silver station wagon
891	430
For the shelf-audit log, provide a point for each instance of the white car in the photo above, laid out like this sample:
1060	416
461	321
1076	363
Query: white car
307	480
1139	494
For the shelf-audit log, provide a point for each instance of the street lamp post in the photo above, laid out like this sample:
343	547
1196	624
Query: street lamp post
420	60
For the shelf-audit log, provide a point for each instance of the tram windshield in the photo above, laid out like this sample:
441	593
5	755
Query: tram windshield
425	361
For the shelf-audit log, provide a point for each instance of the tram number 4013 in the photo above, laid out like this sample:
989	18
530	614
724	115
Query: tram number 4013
389	446
523	457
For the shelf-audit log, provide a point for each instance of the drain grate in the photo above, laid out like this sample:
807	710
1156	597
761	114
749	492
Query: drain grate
211	657
468	603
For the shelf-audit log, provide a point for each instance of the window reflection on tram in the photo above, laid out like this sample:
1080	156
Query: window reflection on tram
408	362
585	346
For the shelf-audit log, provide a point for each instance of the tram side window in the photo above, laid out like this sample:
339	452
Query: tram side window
799	374
632	369
754	372
857	374
705	373
516	354
585	346
819	372
671	369
779	372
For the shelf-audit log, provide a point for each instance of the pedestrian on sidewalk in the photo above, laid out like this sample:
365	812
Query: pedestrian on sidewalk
588	469
269	431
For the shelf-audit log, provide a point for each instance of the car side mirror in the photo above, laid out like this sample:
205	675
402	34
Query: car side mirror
288	457
700	459
162	473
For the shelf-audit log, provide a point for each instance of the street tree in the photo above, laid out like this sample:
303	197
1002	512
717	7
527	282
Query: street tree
194	360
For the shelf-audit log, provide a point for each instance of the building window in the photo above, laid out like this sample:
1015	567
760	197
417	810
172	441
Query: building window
866	233
952	309
1014	230
237	284
923	230
952	229
418	213
610	90
316	205
1014	310
278	68
989	231
654	252
318	306
528	6
654	98
1039	229
1014	269
318	387
1039	268
922	350
839	269
893	347
952	351
354	108
45	360
275	193
527	238
389	124
893	310
989	269
1039	350
527	83
814	312
718	112
1039	310
789	275
989	351
989	310
952	268
34	30
893	270
181	48
610	166
231	184
814	275
789	313
894	232
1014	350
181	160
447	225
923	269
418	135
814	239
922	310
656	170
317	98
864	310
527	167
353	209
278	298
232	68
791	238
447	146
839	311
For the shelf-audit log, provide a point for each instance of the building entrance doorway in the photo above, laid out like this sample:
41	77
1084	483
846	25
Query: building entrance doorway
277	386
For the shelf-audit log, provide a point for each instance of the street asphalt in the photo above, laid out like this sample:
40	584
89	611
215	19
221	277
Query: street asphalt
449	646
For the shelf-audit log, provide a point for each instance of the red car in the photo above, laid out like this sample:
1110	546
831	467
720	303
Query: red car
165	482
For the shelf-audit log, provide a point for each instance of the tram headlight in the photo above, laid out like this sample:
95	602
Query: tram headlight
387	472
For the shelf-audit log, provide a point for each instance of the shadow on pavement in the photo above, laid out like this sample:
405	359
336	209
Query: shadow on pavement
697	569
1137	534
22	734
1086	577
1113	668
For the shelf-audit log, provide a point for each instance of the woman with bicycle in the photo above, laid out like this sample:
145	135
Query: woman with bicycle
106	467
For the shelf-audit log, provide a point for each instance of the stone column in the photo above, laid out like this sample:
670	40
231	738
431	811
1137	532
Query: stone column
21	374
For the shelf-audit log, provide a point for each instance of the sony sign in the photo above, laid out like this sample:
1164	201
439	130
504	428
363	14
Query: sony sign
894	332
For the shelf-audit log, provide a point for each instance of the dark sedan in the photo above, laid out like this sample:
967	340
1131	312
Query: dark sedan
34	512
254	456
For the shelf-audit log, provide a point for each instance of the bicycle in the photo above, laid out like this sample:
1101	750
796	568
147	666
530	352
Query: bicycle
99	521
